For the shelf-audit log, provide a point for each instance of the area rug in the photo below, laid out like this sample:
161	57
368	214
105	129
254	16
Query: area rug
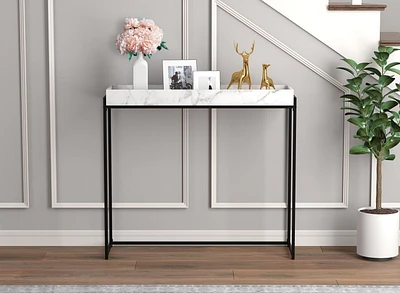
199	289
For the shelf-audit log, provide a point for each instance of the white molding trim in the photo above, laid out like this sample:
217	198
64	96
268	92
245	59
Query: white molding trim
96	237
185	29
23	113
53	136
346	127
147	205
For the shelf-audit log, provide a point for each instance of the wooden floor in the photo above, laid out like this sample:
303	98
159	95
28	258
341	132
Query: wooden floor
192	265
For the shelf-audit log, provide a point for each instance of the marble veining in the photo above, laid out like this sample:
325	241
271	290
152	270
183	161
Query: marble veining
126	96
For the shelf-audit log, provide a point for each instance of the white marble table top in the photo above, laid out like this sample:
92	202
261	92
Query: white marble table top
124	95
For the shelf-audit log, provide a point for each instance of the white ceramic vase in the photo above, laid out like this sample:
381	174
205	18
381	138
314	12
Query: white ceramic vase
378	235
140	73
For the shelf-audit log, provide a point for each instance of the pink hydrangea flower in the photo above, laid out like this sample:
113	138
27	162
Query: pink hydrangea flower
140	36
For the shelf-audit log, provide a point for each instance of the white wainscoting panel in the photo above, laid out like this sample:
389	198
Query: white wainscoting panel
23	113
215	4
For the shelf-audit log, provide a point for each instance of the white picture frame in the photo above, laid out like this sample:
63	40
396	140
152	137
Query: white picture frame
207	80
178	74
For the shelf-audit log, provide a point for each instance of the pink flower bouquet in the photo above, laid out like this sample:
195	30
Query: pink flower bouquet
142	36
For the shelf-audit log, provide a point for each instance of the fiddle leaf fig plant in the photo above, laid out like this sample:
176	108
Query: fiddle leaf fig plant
373	109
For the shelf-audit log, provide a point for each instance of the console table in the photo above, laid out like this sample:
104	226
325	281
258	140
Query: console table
125	97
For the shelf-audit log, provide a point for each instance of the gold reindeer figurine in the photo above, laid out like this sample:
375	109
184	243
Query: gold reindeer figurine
243	75
265	80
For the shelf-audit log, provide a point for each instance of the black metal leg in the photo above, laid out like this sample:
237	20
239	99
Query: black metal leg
294	175
105	179
289	177
110	209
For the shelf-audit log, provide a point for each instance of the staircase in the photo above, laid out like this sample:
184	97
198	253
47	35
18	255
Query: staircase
352	28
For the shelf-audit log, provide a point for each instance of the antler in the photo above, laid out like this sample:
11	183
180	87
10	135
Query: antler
252	48
236	47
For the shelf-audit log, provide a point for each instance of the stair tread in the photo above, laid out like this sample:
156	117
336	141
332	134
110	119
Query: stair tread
347	6
390	39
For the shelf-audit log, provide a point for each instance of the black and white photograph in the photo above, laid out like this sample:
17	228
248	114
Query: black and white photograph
206	80
178	74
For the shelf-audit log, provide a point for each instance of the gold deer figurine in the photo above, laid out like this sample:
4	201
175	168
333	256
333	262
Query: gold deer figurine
243	75
265	80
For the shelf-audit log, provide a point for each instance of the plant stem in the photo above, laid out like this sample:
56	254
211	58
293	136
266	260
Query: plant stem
379	181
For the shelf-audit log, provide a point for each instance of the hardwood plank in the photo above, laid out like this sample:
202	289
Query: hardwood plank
193	265
347	6
119	277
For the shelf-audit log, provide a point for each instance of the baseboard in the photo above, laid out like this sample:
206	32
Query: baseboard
96	237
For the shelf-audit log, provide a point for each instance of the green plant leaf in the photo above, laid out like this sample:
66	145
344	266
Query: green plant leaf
374	94
346	69
385	80
386	49
391	157
380	62
357	81
378	123
351	62
359	150
388	105
352	87
361	66
391	92
351	109
357	121
373	70
391	65
385	153
397	71
382	56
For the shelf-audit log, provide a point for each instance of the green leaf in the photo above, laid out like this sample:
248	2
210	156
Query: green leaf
373	70
359	150
374	94
378	123
352	87
391	143
163	45
379	62
391	65
351	62
391	92
351	109
382	56
385	153
385	80
346	69
130	56
386	49
391	157
361	66
357	81
357	121
388	105
397	71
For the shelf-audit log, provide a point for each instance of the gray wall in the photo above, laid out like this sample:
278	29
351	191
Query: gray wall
147	148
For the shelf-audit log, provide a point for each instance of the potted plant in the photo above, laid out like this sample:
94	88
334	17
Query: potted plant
373	110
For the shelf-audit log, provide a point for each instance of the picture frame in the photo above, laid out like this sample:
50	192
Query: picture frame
207	80
178	74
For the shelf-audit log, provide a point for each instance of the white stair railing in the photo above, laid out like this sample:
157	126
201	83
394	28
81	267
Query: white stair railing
353	34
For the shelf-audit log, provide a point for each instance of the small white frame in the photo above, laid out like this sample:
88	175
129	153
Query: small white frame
202	80
184	80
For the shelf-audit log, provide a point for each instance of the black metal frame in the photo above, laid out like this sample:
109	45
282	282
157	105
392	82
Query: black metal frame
291	180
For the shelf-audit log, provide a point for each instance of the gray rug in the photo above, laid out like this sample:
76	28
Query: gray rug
199	289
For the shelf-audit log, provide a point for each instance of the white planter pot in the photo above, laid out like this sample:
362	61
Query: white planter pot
378	235
356	2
